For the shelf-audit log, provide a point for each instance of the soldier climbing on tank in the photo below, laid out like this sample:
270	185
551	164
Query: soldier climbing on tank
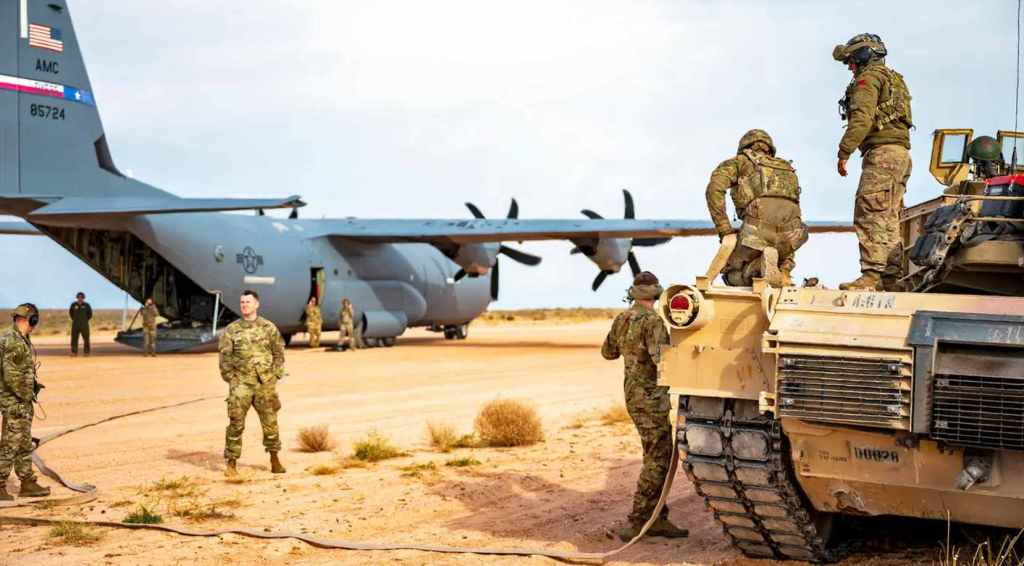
877	110
766	195
637	335
986	155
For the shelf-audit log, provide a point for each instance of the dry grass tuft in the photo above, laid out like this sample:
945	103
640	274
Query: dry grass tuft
143	516
73	534
417	470
316	439
374	448
443	438
350	462
196	511
324	469
615	414
985	553
506	422
462	462
175	487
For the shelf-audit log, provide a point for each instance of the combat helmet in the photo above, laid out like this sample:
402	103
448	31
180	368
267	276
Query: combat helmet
861	48
753	136
985	148
645	287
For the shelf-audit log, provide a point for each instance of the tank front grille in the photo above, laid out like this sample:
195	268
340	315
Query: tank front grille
986	412
872	393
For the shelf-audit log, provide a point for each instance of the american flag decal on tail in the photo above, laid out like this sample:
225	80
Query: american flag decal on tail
45	37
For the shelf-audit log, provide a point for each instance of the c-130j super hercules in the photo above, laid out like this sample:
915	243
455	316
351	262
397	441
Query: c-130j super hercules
57	173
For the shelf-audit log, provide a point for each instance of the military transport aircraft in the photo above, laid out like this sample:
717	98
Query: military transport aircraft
57	174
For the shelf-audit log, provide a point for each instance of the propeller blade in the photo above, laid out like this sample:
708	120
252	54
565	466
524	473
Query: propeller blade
591	214
294	214
634	265
648	242
460	274
516	255
476	211
600	279
259	212
513	210
630	209
494	281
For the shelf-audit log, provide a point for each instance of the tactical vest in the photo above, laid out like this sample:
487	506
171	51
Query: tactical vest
773	177
894	105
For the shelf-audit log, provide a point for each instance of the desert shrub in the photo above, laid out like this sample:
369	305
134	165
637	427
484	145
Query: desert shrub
315	439
73	534
374	448
143	516
442	437
323	469
507	422
462	462
615	414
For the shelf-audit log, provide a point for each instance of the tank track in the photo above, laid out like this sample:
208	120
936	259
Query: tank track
737	461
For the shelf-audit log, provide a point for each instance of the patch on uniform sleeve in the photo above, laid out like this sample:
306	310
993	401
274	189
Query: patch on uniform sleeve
861	83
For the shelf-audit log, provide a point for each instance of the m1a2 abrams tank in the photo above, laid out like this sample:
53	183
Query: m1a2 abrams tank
798	404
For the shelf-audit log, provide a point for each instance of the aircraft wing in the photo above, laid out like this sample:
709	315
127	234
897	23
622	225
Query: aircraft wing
470	231
16	228
131	206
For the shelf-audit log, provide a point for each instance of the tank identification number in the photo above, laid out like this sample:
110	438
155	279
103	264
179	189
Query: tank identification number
826	456
878	301
44	66
46	112
880	455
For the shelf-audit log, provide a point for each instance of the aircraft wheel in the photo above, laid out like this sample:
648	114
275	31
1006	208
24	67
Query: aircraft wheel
449	333
287	339
370	342
388	342
461	331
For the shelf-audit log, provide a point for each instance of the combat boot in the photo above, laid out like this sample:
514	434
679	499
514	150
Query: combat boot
231	470
868	281
664	528
29	488
628	532
770	267
275	464
4	496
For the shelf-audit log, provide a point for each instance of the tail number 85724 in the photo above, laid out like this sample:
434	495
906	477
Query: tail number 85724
46	112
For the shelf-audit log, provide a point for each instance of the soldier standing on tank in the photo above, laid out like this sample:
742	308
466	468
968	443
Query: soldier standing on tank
766	195
149	314
314	322
346	327
80	313
877	108
638	335
251	362
18	389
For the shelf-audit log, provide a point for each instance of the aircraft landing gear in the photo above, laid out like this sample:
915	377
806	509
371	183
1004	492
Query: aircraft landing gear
287	339
388	342
456	332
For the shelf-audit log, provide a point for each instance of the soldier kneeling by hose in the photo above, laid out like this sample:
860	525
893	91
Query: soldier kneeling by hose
637	335
18	390
766	194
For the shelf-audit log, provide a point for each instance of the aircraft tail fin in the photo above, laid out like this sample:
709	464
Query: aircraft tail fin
51	137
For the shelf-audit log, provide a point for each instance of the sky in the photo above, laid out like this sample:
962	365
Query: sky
409	109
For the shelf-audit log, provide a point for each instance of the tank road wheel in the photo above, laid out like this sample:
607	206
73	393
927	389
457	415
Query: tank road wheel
388	342
737	460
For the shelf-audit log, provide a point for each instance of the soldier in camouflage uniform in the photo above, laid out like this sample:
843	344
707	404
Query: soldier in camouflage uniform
252	362
766	195
149	314
877	108
18	389
314	322
346	327
637	335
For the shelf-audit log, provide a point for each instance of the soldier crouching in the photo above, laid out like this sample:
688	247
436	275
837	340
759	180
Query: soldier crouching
637	335
252	362
18	390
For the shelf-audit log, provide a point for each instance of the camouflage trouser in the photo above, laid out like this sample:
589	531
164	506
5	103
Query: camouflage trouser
649	407
16	440
876	212
767	222
149	340
314	336
348	336
264	399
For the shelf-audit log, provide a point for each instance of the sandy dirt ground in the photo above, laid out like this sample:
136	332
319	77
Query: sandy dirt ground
564	493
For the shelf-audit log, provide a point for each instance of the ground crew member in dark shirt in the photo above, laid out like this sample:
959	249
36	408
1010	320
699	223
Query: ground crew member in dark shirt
80	313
